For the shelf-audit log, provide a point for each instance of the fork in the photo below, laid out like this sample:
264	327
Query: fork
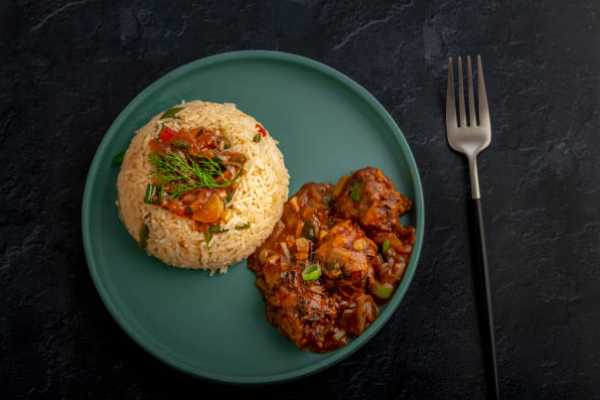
470	135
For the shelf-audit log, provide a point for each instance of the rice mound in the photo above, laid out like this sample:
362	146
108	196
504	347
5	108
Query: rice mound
258	200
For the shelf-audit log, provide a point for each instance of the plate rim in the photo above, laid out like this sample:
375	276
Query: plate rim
139	335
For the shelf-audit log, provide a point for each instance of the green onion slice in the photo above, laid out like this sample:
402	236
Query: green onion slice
212	230
356	191
144	233
383	291
216	229
311	272
385	246
180	144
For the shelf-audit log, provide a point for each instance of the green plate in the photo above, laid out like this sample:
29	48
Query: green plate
215	327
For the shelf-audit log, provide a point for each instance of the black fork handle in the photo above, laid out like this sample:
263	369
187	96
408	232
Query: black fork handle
481	280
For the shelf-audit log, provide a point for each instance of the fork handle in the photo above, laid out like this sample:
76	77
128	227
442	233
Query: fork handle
481	281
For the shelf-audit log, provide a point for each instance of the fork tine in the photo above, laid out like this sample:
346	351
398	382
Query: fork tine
461	95
472	119
484	111
450	107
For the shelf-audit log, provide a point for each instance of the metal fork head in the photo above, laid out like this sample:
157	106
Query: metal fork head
467	134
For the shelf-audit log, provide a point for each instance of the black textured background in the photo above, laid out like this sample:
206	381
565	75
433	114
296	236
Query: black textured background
68	68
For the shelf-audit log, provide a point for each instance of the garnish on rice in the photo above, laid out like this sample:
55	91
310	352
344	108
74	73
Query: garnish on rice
194	173
194	189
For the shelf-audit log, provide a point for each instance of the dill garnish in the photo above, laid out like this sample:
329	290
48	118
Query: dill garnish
153	194
181	174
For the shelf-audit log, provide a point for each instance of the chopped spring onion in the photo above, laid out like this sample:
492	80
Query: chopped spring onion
385	246
356	191
311	272
216	229
180	144
256	138
153	194
243	226
171	112
211	232
144	233
228	197
383	291
118	159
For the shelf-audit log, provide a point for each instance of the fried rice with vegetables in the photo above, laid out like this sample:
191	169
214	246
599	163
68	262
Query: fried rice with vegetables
202	185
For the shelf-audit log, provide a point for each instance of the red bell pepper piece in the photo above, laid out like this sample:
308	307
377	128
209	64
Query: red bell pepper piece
261	130
166	134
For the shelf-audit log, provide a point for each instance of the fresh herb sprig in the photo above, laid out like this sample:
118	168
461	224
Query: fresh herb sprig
153	194
183	173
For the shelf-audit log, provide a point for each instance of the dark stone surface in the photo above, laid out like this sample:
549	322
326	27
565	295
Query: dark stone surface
68	68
